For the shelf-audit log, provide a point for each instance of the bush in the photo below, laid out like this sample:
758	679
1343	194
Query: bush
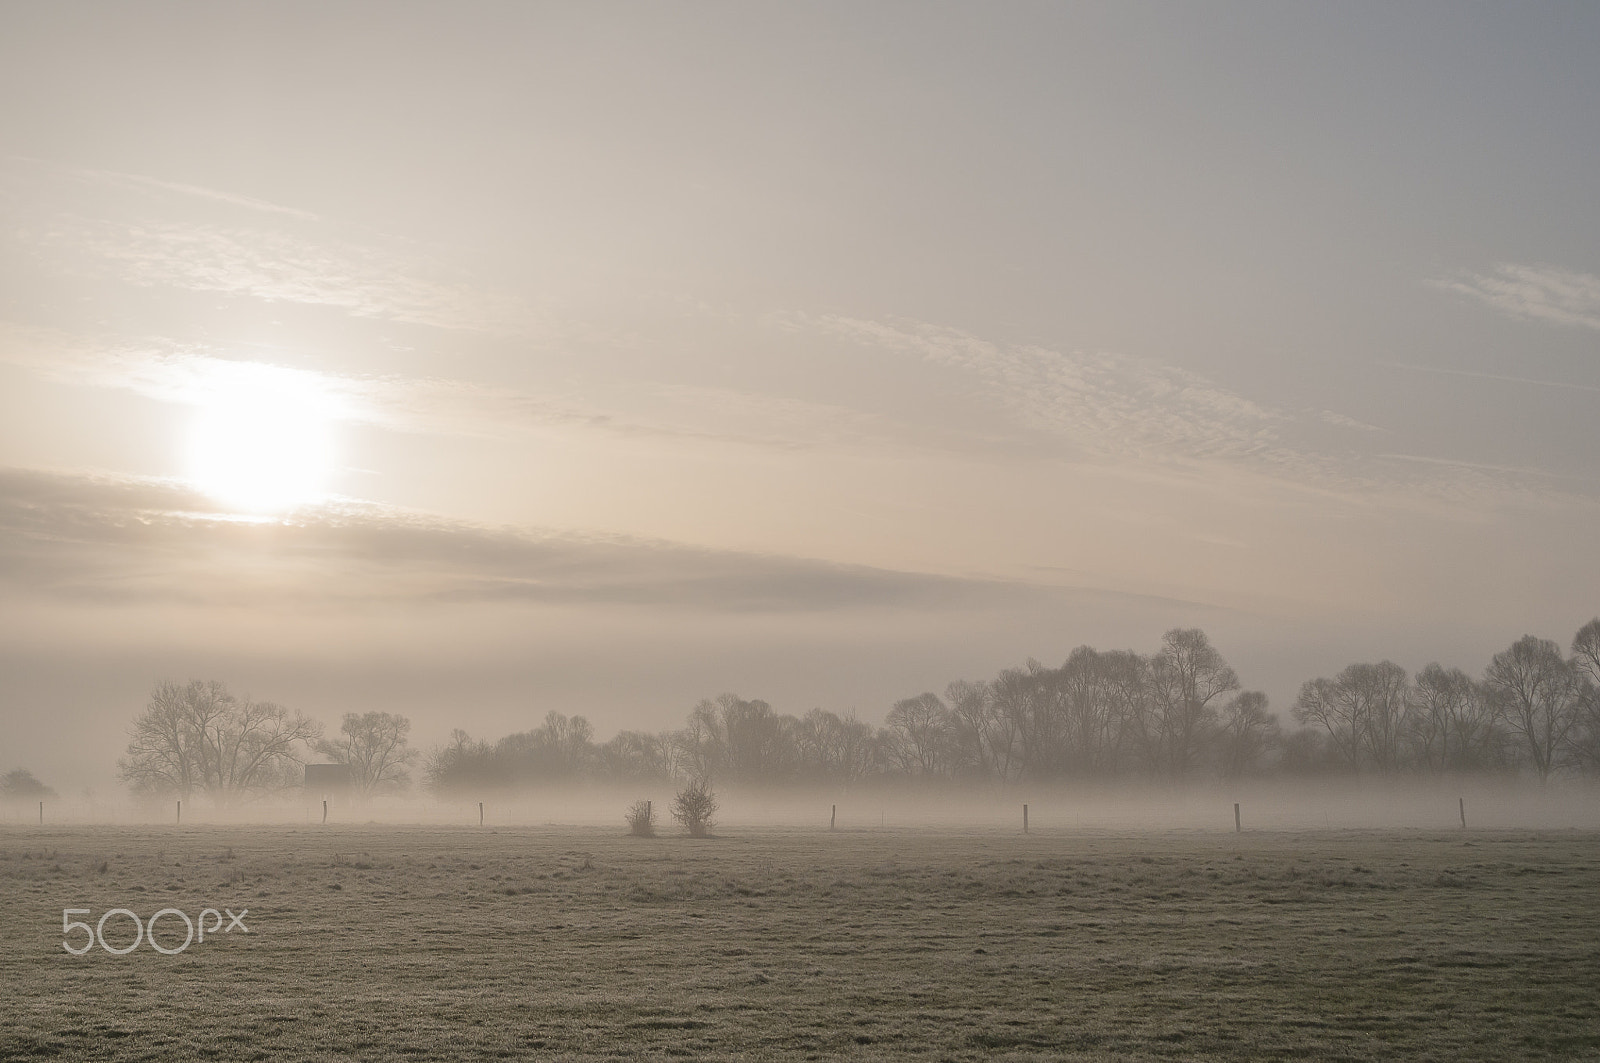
694	807
642	820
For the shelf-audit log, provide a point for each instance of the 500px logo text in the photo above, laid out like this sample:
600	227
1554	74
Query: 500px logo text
143	930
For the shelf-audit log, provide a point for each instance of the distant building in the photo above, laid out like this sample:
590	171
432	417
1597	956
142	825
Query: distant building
327	780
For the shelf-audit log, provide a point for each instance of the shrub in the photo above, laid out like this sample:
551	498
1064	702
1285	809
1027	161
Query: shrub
642	819
694	807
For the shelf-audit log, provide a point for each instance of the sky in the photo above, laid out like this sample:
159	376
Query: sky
479	360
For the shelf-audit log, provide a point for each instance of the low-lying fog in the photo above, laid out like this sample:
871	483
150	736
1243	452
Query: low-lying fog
1346	804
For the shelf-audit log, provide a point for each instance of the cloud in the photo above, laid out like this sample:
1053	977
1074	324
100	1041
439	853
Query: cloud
281	266
1104	404
167	371
89	223
111	540
1561	385
142	183
1142	416
1535	293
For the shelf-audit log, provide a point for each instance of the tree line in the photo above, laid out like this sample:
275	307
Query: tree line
1176	714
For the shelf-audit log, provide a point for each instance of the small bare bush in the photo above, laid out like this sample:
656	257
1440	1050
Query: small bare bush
642	820
694	807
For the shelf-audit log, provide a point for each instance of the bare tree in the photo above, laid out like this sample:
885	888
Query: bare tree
861	748
637	755
1453	722
1246	732
1585	739
1187	675
1326	703
20	784
1540	695
1363	709
641	818
1104	694
971	728
200	738
920	727
1381	689
695	807
373	745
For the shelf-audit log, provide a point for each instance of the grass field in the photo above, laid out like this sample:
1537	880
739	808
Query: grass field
549	943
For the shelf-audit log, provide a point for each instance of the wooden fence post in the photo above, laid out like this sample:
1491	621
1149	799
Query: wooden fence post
324	810
833	817
1236	824
180	813
1463	802
1024	819
480	813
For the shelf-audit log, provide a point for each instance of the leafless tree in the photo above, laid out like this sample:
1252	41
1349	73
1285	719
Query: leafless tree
1186	676
1453	722
20	784
1585	739
1246	732
1364	711
637	756
920	730
1540	695
641	817
198	738
373	745
1327	703
695	807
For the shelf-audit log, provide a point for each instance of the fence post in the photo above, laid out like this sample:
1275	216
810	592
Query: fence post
1236	825
1463	802
324	810
1024	819
41	813
480	813
833	816
180	813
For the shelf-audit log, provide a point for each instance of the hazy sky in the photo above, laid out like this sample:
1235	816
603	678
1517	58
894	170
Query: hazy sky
477	360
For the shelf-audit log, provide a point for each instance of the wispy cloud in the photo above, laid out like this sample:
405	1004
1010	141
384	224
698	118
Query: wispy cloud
277	265
184	374
1560	385
1535	293
114	179
120	539
139	230
1103	403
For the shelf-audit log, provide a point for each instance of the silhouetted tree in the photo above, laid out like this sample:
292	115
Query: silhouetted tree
695	807
636	756
198	738
1585	738
1104	692
19	784
641	817
1363	711
920	735
1454	725
1539	695
461	767
1186	676
1246	734
373	745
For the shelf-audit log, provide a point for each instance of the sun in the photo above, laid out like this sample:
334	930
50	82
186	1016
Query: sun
262	440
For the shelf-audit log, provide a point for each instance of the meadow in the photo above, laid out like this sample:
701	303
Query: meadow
431	943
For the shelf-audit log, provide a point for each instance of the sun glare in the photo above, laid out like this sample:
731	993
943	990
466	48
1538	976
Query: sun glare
262	438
